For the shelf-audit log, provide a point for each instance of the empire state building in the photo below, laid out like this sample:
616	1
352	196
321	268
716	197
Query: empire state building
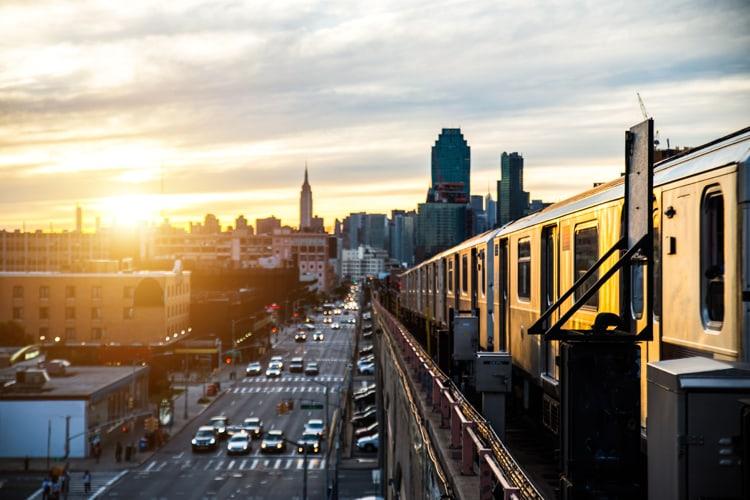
305	205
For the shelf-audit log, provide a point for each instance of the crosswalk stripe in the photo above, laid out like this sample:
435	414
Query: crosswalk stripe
323	464
288	463
254	464
218	466
277	464
150	466
231	465
208	464
313	463
294	389
242	464
300	463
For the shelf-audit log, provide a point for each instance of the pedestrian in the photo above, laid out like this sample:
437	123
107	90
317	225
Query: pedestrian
46	488
55	493
87	482
65	485
118	452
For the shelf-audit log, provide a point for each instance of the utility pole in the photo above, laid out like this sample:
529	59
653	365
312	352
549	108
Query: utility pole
49	439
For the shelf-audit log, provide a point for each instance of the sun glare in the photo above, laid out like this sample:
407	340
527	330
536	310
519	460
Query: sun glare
131	209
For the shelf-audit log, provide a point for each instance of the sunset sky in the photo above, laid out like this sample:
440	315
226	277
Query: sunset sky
227	100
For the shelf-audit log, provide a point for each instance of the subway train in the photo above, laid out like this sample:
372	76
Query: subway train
509	276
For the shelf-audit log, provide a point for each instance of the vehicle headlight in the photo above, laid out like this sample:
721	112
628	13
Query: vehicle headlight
299	449
194	441
213	441
263	445
278	445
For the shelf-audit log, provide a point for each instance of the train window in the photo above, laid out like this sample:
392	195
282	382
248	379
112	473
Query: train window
450	276
480	274
657	267
636	290
464	274
524	269
712	258
586	254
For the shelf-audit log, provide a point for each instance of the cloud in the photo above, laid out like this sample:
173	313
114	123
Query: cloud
102	99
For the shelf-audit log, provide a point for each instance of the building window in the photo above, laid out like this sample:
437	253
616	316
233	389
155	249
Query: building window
43	292
712	258
96	334
70	313
17	292
96	313
524	269
44	313
70	334
586	254
96	292
127	292
127	313
70	292
18	313
464	274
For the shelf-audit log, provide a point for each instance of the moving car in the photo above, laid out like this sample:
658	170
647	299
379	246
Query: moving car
300	337
316	426
365	419
366	431
297	365
253	368
318	335
327	320
309	326
273	442
309	440
273	371
253	426
368	443
220	424
205	438
234	429
239	444
279	360
335	326
312	368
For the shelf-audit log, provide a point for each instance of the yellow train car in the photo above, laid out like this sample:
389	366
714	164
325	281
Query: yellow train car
509	276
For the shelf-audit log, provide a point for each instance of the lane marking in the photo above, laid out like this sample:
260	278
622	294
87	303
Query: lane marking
108	484
150	466
208	464
218	466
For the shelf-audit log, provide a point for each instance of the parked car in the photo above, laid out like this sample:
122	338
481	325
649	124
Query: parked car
366	350
309	440
316	425
366	398
312	368
239	444
366	368
220	424
370	358
363	390
366	431
366	419
363	410
367	335
273	442
205	439
368	443
253	426
253	368
297	365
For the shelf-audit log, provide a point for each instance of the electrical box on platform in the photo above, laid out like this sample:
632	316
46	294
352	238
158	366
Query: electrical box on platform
493	371
465	337
695	429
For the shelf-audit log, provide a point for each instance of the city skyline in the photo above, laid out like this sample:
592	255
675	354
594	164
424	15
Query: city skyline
133	113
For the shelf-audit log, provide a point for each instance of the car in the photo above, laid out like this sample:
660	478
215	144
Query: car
328	320
366	315
309	326
365	389
239	444
297	365
273	371
253	426
366	350
335	326
366	369
234	429
253	368
366	431
205	438
365	398
363	410
365	419
220	424
316	426
367	335
309	440
312	368
278	360
352	321
370	358
318	336
368	443
300	337
273	442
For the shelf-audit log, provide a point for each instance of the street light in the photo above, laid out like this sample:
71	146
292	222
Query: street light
304	463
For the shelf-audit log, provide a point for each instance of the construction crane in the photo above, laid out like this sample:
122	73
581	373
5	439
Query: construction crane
646	117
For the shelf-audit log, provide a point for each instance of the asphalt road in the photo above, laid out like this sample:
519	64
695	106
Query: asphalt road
176	472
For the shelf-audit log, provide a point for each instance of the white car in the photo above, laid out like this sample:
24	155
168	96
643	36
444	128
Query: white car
366	369
368	443
239	443
335	326
278	360
318	336
273	370
317	426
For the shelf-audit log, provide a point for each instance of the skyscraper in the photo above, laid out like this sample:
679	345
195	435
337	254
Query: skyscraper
491	209
305	205
451	160
512	200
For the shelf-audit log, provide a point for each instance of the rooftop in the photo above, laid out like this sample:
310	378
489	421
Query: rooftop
119	274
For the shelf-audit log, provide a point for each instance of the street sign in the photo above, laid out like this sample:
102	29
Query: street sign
312	406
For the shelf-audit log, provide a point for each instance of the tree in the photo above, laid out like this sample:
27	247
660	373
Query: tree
13	334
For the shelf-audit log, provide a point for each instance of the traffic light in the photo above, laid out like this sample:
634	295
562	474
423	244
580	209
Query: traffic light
228	360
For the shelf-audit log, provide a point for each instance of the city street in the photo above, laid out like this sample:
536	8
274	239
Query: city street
177	472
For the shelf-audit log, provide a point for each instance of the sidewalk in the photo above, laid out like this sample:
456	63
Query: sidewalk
107	460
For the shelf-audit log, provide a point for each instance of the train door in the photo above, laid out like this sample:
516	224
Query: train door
502	291
489	273
549	287
473	283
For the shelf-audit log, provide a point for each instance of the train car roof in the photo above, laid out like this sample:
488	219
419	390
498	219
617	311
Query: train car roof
727	150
